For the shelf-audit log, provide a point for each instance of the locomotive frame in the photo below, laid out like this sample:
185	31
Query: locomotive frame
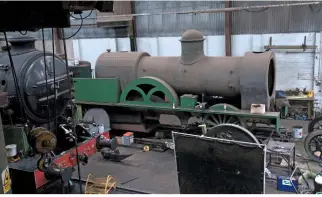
88	95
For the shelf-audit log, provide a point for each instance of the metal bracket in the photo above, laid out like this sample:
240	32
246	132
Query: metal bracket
4	67
303	46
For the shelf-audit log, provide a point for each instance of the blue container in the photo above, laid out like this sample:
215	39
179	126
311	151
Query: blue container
279	94
284	184
297	132
127	140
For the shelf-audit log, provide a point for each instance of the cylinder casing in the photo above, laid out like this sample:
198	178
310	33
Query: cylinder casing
251	76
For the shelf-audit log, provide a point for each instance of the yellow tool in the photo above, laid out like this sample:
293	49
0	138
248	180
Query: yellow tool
310	94
146	148
99	185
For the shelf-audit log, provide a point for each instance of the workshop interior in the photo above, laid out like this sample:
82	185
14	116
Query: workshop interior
160	97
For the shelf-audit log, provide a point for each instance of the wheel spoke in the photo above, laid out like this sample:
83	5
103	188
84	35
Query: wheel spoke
312	144
230	117
317	126
236	122
214	119
318	141
224	119
313	151
220	120
315	147
232	132
211	122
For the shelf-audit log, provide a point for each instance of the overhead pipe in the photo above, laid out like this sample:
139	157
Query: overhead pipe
219	10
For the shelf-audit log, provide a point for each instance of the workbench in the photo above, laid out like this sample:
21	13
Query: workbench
309	104
286	150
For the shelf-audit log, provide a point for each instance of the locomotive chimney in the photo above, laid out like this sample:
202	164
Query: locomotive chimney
22	43
191	47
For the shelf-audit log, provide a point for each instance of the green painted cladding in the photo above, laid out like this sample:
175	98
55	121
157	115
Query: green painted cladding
97	90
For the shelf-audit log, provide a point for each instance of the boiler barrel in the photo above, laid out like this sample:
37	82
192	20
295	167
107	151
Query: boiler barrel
251	75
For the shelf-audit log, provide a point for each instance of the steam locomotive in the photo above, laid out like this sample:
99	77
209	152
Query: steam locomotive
144	91
39	118
35	82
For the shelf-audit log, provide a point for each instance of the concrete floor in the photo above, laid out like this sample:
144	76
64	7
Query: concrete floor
155	172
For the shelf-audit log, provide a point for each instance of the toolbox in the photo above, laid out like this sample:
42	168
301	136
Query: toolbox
128	138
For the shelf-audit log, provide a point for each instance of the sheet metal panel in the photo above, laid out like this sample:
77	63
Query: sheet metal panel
175	24
276	20
216	166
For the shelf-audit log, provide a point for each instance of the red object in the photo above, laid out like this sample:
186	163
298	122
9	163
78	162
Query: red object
127	134
69	158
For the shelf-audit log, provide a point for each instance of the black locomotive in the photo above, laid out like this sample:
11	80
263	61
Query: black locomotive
41	92
38	118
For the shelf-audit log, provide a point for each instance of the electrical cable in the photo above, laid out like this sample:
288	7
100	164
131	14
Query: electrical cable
54	73
73	117
82	17
25	112
23	33
80	27
63	188
46	72
15	79
306	191
311	8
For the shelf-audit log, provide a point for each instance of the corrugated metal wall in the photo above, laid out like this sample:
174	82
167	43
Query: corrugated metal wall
259	21
276	20
174	25
255	21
